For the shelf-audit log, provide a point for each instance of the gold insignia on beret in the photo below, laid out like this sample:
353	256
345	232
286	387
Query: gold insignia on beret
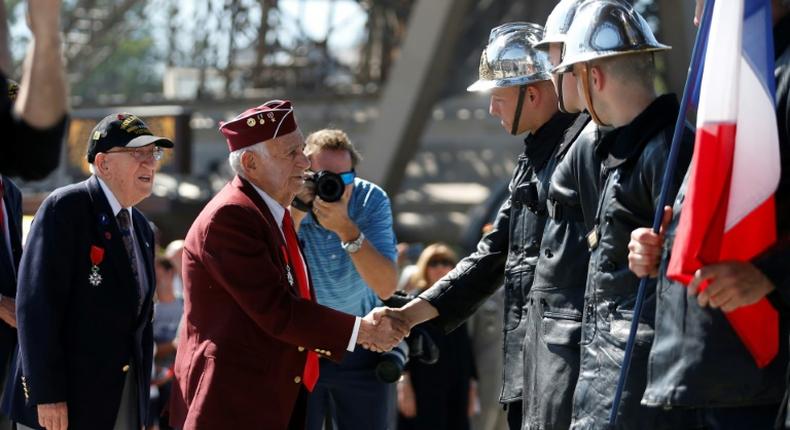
96	135
251	122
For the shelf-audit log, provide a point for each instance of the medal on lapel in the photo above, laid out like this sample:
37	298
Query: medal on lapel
290	276
288	273
97	255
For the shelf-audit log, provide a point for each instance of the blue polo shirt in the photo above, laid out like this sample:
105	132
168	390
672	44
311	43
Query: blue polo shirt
336	281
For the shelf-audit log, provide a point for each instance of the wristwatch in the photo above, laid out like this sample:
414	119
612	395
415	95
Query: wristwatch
355	245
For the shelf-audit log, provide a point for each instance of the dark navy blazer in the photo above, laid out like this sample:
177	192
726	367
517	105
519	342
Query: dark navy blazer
77	340
9	265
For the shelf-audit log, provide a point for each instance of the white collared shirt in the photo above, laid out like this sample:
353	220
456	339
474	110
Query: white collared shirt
115	205
278	212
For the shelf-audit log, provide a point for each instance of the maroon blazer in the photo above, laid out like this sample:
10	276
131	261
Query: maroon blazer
245	334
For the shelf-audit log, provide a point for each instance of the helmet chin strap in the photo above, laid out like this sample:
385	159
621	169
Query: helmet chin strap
522	91
561	98
585	74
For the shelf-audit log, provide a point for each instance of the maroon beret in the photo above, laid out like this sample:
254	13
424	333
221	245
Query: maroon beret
272	119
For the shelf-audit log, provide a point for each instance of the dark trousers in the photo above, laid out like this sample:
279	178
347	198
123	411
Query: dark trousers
300	410
748	417
514	415
348	396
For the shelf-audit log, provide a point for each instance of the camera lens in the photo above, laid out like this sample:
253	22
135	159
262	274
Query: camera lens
391	364
388	371
329	186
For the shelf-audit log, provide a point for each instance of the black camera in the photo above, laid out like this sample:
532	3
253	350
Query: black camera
391	364
418	345
328	185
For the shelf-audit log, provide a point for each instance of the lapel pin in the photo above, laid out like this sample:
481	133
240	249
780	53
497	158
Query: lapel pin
290	276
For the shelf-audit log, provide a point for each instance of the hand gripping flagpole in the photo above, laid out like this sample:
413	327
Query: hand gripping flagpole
691	87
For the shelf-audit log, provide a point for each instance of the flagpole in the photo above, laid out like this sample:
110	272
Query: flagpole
669	174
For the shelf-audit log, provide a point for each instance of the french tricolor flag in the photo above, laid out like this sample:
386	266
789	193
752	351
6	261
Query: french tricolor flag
728	212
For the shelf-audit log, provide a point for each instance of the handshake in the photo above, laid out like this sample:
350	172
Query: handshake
382	329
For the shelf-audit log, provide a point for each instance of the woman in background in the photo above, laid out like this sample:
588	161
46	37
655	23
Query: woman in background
441	395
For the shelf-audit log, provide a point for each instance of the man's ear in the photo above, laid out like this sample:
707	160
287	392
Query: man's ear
100	163
533	95
597	78
248	161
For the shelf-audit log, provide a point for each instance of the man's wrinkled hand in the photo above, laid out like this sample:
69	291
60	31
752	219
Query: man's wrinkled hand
8	311
53	416
731	285
382	329
644	249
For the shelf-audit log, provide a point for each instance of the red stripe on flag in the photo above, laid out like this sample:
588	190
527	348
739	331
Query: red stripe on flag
705	206
750	236
701	239
757	325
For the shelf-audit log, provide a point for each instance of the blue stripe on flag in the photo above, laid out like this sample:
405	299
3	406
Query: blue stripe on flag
758	42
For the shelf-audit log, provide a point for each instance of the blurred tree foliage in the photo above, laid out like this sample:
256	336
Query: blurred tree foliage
108	47
118	50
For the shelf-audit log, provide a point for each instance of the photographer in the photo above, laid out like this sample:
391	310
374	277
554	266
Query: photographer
349	245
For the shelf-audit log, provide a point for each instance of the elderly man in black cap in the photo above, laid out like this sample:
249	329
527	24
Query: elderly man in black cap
87	277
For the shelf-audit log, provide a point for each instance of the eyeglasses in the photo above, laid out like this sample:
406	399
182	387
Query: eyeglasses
348	177
140	154
442	262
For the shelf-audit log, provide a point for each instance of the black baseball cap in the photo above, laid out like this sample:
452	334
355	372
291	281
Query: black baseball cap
122	130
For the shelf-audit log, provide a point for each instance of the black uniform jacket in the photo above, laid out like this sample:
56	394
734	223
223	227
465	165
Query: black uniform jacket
634	159
512	246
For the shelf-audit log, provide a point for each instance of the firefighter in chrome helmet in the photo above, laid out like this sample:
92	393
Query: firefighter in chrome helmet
509	65
610	48
557	26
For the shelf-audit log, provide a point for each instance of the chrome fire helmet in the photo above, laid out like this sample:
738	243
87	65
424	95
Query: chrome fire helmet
606	28
510	58
557	26
603	29
558	23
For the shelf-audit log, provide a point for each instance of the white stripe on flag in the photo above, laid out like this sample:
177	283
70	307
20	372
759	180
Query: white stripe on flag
718	93
756	167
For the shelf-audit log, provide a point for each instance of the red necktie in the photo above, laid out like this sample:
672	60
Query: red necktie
310	375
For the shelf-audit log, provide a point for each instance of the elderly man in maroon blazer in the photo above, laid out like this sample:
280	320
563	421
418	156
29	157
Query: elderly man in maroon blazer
252	332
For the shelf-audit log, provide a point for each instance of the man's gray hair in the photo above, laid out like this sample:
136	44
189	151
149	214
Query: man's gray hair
234	159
